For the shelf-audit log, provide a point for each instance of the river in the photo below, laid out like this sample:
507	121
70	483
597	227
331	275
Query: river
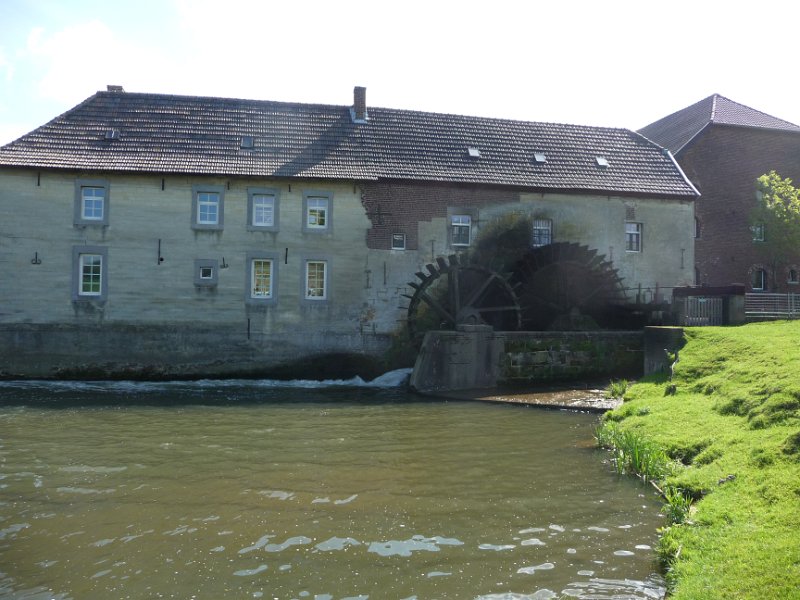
248	489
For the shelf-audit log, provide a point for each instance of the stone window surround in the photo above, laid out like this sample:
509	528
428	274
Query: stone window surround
315	301
78	218
218	189
201	263
273	297
316	194
77	251
257	191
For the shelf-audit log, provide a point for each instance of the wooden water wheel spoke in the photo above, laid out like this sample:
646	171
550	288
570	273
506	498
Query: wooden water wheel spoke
463	294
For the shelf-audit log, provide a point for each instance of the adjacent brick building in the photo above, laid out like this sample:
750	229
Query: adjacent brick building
723	147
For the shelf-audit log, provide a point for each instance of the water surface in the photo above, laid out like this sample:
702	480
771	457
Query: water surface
246	490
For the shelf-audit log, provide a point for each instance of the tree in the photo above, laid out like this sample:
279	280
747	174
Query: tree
775	222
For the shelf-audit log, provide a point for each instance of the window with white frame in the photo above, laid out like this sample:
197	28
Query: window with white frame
633	237
91	202
398	241
759	232
208	207
316	213
262	209
460	229
316	280
261	278
91	275
759	282
90	269
542	232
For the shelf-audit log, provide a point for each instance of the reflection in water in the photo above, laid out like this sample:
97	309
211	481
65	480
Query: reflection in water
248	490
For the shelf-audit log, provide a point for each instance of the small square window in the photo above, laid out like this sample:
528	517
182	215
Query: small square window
206	272
398	241
461	226
633	237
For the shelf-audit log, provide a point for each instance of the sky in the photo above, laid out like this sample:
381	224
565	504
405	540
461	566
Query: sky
614	63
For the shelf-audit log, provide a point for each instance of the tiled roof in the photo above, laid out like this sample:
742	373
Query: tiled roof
679	128
199	135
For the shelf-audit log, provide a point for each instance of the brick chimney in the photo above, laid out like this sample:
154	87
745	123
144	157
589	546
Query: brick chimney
115	88
359	111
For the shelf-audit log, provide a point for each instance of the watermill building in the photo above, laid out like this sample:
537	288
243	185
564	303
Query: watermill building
160	235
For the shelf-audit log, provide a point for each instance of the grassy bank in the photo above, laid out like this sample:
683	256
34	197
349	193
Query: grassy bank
724	436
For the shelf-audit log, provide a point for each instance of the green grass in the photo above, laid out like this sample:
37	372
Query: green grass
731	433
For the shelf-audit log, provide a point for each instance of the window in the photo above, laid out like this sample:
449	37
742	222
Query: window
793	277
262	209
542	232
460	228
698	230
759	280
633	237
317	211
208	207
398	241
90	268
91	275
261	278
206	273
316	280
91	202
759	232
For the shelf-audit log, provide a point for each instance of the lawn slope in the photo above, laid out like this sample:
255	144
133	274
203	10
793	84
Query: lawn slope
730	421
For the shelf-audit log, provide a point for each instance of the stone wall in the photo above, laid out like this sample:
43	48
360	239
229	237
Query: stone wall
476	358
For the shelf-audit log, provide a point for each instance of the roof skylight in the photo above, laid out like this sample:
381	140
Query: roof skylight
602	162
247	141
539	157
474	152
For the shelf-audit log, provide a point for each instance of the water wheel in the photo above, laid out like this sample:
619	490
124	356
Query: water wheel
451	293
566	286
